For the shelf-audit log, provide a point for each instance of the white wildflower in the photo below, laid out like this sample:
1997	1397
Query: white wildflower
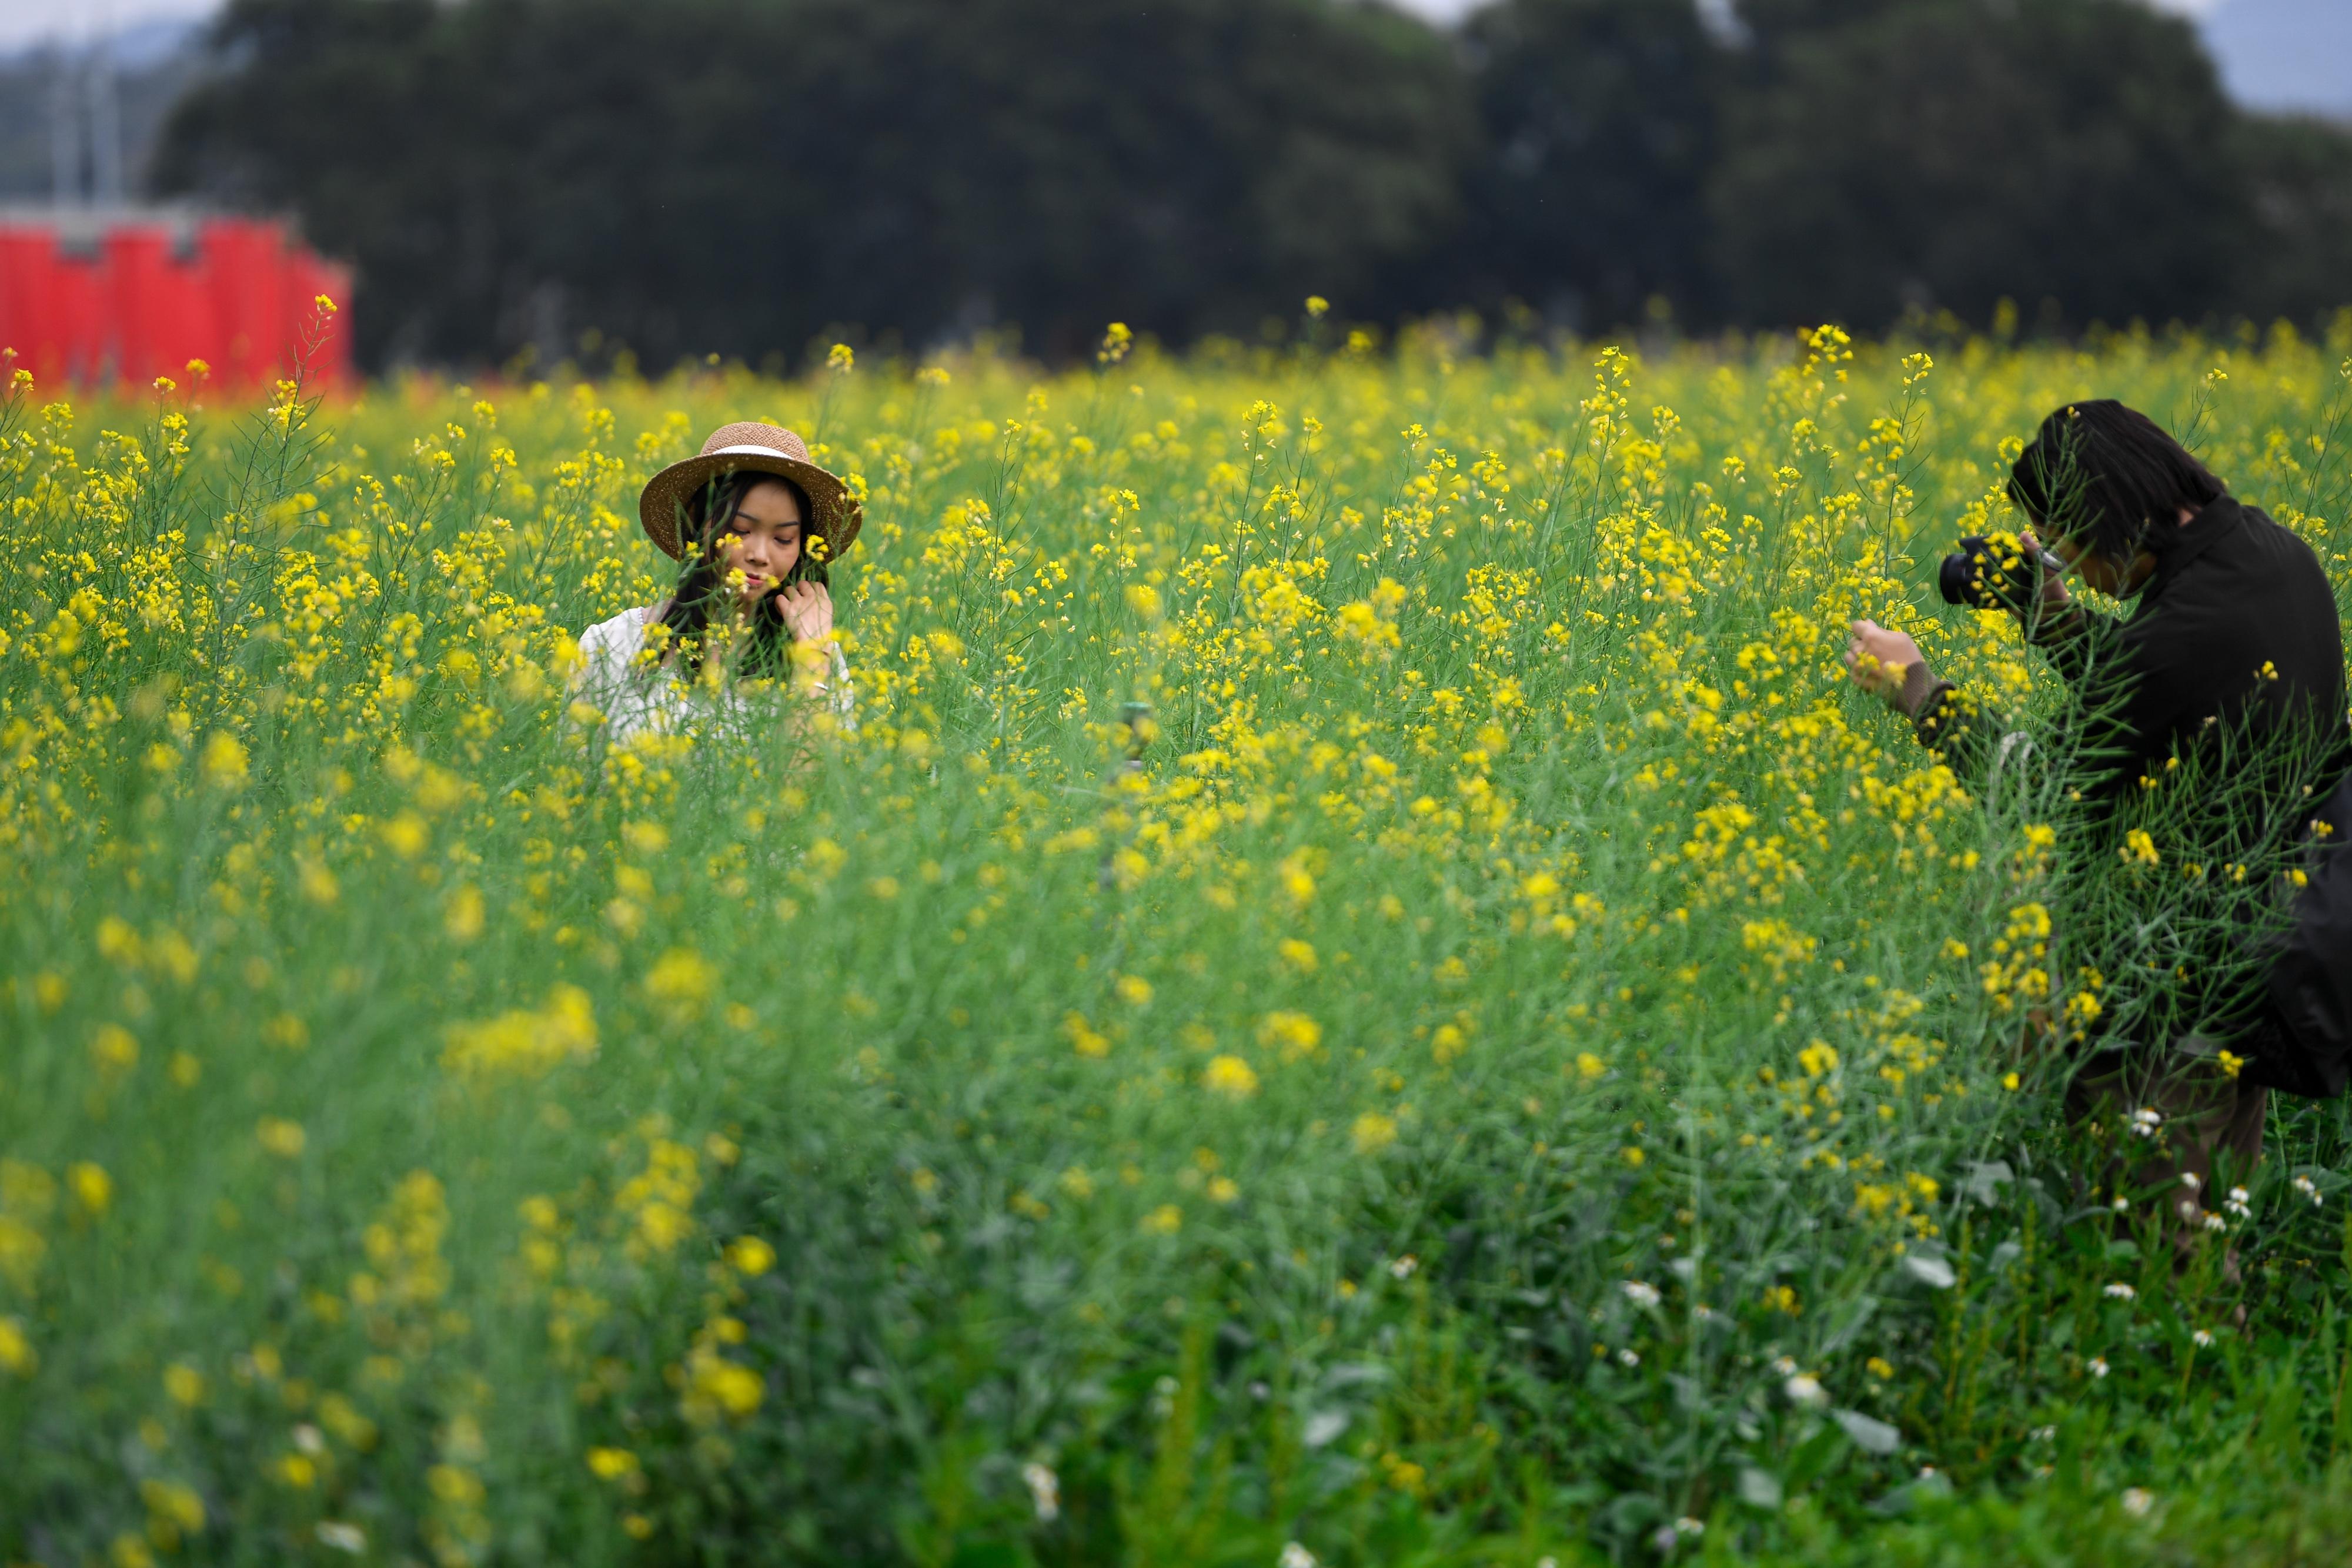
2240	1203
1630	1358
2202	1338
1295	1556
2145	1122
1403	1268
2098	1366
2215	1222
1641	1294
1044	1490
2138	1500
1805	1389
341	1537
2121	1291
2303	1185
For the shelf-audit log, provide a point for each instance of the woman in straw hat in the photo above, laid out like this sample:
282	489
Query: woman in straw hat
755	524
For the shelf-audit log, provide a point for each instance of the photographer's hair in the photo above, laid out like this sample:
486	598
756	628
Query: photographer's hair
703	594
2103	475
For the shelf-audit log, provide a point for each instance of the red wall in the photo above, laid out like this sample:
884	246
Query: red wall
153	293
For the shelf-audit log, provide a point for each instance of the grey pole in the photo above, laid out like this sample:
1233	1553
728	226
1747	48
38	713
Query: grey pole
65	128
105	125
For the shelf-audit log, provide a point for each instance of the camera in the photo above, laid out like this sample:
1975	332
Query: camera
1998	572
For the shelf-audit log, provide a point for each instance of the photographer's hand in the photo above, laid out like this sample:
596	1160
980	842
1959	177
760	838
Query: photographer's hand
1888	664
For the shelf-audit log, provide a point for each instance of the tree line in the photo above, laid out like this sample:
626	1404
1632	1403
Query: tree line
746	177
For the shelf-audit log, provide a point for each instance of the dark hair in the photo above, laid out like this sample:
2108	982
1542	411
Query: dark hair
2102	475
702	593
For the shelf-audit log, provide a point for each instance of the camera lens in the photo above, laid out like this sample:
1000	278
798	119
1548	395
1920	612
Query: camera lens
1954	578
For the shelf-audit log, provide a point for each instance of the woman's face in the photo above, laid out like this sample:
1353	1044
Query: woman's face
2092	568
2116	578
762	540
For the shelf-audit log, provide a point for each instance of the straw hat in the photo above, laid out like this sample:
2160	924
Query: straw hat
767	449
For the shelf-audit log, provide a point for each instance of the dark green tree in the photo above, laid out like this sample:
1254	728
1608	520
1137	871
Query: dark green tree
1772	25
1949	154
2298	177
745	176
740	175
1601	125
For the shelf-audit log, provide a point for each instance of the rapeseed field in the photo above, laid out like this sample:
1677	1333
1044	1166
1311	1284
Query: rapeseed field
1358	986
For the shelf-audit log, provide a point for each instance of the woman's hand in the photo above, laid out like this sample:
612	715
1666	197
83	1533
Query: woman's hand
807	609
1877	659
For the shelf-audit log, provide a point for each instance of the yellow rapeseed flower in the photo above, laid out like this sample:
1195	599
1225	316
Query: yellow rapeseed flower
1085	1037
406	835
1294	1034
114	1050
185	1383
173	1510
462	916
224	761
751	1257
526	1042
92	1187
718	1387
681	980
280	1138
16	1355
611	1464
1229	1076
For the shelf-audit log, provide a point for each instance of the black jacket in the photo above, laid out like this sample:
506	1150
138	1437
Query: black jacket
2232	663
2238	622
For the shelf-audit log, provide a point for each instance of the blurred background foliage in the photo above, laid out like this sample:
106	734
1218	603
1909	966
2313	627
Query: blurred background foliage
571	179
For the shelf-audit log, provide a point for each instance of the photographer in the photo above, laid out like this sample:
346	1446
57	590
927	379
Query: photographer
2234	642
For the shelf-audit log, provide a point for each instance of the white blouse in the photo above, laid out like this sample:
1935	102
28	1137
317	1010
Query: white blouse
648	700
